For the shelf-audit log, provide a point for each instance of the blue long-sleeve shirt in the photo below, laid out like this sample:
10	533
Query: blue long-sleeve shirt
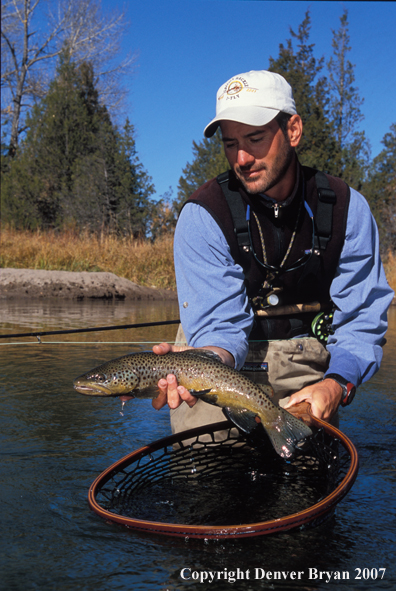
214	308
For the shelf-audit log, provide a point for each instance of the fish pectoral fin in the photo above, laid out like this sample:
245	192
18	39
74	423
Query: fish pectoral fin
242	418
202	394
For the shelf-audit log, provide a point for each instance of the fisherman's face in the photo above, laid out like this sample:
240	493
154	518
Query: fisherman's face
261	156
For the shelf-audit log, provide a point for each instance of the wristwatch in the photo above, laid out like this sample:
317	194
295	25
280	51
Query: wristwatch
348	389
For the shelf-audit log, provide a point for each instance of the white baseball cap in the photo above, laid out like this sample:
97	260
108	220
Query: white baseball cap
254	98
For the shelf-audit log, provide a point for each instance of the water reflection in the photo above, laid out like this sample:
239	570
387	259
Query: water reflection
54	442
17	316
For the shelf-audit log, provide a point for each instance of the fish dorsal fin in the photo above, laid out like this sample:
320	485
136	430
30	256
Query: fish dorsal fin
242	418
204	353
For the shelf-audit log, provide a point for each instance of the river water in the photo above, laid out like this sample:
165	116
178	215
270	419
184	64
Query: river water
54	442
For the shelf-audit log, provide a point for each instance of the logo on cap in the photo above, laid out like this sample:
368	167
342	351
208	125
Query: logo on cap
234	87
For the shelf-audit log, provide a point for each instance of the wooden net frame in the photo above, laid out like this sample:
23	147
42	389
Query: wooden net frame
196	456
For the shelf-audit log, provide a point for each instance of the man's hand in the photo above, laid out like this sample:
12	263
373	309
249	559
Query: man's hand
169	391
324	398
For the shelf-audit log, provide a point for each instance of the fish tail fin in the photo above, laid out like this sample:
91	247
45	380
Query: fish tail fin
287	434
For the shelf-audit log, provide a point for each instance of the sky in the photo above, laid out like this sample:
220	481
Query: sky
186	49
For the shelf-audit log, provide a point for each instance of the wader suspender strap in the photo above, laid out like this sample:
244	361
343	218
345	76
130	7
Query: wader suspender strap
238	214
324	213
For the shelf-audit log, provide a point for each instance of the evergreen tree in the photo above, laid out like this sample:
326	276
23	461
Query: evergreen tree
74	167
34	33
62	131
302	70
208	161
380	190
330	110
345	103
133	186
345	110
318	147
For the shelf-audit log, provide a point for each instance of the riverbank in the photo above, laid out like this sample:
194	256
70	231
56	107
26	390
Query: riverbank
36	283
143	262
67	264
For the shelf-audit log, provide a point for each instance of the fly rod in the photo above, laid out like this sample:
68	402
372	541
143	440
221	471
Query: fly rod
275	311
95	329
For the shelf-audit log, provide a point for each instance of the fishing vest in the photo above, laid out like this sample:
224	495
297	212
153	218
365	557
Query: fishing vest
328	199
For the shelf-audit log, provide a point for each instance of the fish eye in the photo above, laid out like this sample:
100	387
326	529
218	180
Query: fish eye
100	377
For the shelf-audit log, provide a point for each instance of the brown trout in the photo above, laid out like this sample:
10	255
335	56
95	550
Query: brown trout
206	377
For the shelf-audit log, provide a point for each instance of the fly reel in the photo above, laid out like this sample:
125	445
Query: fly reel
322	326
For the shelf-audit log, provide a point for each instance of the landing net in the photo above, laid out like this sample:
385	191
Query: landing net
191	485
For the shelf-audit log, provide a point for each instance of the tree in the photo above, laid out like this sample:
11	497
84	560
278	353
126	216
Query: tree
345	102
208	161
163	216
345	110
380	190
59	132
74	166
302	70
35	32
330	110
133	187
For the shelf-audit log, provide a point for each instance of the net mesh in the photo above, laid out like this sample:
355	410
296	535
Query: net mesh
199	486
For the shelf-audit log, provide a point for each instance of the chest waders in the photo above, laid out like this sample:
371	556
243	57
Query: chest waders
286	365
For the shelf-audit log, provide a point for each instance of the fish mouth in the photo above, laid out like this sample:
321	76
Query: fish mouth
93	390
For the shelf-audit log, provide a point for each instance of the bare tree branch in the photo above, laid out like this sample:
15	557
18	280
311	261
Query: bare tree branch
35	33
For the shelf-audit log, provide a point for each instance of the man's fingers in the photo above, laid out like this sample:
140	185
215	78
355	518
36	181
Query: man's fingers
186	396
162	348
297	398
170	393
173	394
324	398
162	397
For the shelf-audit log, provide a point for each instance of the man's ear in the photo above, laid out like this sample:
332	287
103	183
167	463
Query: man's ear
294	130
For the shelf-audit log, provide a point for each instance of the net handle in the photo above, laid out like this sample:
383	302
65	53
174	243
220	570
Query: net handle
316	512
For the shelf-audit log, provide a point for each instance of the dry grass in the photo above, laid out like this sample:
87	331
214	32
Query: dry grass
145	263
390	269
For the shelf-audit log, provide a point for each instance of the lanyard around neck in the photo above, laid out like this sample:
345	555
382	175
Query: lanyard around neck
282	269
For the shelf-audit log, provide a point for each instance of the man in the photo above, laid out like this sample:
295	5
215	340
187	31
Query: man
307	242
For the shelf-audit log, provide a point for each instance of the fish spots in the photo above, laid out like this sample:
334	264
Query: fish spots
139	373
97	377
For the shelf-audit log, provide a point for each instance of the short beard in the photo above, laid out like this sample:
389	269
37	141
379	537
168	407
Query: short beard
278	170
